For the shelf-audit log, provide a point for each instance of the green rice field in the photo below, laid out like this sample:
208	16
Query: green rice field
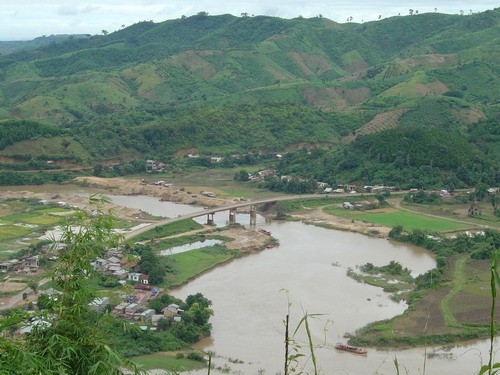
194	262
411	221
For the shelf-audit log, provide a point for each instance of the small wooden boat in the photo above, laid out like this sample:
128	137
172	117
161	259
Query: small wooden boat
266	232
349	348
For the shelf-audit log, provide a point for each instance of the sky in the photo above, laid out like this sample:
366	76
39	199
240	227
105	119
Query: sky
28	19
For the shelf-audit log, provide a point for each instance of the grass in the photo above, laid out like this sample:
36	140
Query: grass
167	361
23	221
171	229
195	262
48	146
411	221
458	282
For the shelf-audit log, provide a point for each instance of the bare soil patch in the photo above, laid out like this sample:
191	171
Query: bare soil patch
245	240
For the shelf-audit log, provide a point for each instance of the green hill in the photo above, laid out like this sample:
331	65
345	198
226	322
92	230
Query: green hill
226	84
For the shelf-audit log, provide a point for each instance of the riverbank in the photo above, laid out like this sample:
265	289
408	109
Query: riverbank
416	318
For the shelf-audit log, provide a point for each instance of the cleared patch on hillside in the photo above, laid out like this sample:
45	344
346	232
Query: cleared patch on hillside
195	64
144	77
381	121
48	146
470	115
431	61
311	64
335	98
43	107
186	151
414	89
353	62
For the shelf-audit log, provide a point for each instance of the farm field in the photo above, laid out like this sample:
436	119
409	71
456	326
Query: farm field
411	221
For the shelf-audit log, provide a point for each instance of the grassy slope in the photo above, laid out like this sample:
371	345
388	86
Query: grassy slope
185	60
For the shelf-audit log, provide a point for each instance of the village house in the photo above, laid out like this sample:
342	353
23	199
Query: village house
99	304
147	314
216	159
154	166
11	265
134	276
155	318
266	172
172	310
120	308
144	279
348	206
131	309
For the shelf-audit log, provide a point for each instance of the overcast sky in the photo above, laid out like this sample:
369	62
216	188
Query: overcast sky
28	19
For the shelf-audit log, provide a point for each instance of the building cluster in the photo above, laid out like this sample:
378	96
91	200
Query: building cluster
154	166
136	310
115	263
133	307
26	264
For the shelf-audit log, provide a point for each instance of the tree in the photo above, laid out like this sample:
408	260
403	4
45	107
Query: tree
163	324
70	340
97	170
65	143
410	12
104	32
242	176
33	285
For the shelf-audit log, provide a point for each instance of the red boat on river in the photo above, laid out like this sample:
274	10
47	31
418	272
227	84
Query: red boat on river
349	348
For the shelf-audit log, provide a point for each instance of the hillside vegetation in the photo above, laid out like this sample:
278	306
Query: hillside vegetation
395	88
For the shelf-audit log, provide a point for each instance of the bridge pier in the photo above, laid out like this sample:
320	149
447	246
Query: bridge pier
232	215
210	219
253	214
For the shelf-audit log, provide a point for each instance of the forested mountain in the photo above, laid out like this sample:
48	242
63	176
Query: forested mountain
226	84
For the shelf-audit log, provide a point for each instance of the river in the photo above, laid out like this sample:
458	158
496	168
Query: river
251	296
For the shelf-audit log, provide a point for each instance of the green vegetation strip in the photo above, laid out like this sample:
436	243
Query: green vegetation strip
458	283
194	262
171	229
167	361
411	221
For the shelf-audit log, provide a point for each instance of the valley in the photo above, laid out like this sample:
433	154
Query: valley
358	165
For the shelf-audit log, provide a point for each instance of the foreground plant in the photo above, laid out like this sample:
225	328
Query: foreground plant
68	341
492	368
293	348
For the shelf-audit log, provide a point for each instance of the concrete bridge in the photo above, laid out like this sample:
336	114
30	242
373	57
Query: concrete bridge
209	212
232	208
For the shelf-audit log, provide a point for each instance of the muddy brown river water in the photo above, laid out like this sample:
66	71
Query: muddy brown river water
250	303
